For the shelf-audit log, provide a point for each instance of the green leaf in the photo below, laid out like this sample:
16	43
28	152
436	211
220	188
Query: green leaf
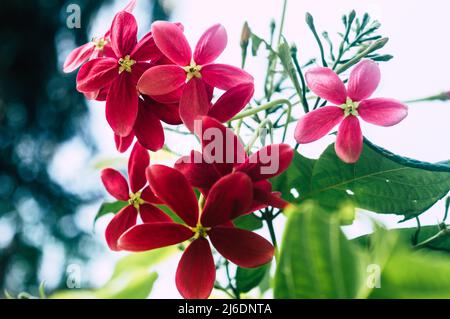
249	278
109	207
248	222
256	43
316	260
380	181
142	260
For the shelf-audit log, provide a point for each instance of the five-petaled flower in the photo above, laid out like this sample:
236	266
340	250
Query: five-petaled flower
223	153
98	47
352	102
120	73
230	197
191	75
139	200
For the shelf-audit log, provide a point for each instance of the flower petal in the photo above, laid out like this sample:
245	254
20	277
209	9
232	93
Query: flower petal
223	76
148	128
382	111
168	113
96	74
267	197
152	214
161	79
211	45
122	221
194	102
230	197
149	236
171	97
268	162
349	141
115	183
137	163
196	271
122	105
220	146
148	196
123	143
199	173
232	102
363	80
173	189
138	69
78	56
171	41
242	247
123	33
326	83
316	124
146	49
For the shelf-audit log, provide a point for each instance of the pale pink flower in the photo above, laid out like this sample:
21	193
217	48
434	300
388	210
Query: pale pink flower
351	102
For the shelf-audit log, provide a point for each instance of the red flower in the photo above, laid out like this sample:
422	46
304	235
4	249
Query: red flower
120	73
230	197
147	128
223	153
139	198
352	102
98	47
192	73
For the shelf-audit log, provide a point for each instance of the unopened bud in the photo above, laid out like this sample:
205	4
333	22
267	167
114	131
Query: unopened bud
245	35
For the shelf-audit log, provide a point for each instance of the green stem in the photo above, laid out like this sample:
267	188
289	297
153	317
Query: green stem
256	135
230	283
443	233
260	108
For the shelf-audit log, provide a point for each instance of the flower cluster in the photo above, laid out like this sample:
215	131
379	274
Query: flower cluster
159	79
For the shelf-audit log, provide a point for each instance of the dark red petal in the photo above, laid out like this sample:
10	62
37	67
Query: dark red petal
148	196
265	198
268	162
197	171
96	74
211	45
171	41
146	49
78	56
194	102
115	183
123	33
137	163
152	214
123	143
196	271
168	113
138	69
171	97
148	128
220	145
122	221
173	189
223	76
242	247
230	197
232	102
161	80
154	235
122	105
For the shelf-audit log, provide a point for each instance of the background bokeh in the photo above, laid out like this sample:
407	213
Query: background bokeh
52	140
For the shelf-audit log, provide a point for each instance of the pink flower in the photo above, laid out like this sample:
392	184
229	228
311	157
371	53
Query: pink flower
353	102
229	198
191	74
98	47
139	199
120	73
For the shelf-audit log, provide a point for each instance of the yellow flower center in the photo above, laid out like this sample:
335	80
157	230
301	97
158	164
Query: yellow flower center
350	107
99	43
125	64
200	231
135	199
192	70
